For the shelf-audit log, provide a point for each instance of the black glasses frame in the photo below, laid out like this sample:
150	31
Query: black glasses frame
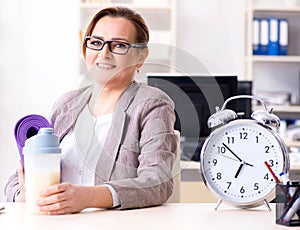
135	46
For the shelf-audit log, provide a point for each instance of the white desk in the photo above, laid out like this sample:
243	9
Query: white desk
169	216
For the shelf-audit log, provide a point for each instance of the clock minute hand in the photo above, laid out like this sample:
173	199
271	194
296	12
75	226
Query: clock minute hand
240	160
232	152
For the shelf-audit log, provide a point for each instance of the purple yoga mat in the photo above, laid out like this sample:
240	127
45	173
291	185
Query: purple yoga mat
27	127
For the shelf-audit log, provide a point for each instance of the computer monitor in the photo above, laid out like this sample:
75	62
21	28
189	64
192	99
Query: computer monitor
244	105
196	97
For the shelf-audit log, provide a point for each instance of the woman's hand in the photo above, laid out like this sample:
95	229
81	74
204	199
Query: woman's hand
69	198
62	198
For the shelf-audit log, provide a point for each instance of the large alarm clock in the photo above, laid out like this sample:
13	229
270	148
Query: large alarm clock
242	158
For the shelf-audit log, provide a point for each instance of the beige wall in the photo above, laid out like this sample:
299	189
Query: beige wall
195	192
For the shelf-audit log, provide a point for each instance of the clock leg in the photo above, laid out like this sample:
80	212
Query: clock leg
267	205
218	204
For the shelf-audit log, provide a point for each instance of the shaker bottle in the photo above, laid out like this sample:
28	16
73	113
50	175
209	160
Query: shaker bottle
41	164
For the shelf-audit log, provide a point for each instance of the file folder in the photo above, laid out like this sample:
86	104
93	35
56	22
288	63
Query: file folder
264	36
255	37
273	47
283	36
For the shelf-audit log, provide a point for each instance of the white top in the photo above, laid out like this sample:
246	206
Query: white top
84	172
81	149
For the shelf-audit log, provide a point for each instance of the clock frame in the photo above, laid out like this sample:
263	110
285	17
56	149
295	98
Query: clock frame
233	158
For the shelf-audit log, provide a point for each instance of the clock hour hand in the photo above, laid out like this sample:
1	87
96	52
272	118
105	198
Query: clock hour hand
232	152
239	170
248	164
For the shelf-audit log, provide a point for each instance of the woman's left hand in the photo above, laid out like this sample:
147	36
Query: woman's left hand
62	199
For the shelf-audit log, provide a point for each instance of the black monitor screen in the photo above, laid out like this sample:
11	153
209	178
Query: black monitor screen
195	98
244	88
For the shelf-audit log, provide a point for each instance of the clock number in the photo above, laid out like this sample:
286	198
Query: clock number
266	177
215	161
267	149
244	136
221	149
219	176
229	184
256	186
242	190
256	137
271	163
230	140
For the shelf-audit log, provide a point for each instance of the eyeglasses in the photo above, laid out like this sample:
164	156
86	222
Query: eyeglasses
116	47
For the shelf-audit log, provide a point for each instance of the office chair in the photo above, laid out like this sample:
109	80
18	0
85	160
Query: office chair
176	173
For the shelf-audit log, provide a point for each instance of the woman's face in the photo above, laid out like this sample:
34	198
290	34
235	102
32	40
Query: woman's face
110	67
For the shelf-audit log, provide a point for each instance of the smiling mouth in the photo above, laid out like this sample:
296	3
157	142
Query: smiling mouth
105	66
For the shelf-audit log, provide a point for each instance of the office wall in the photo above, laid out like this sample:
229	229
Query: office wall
213	32
40	54
38	62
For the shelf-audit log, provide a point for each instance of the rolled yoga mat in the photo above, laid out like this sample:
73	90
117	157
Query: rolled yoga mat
27	127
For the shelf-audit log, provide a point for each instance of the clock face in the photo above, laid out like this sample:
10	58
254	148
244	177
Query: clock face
234	158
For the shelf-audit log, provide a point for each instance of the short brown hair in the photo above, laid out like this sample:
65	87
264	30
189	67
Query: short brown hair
142	31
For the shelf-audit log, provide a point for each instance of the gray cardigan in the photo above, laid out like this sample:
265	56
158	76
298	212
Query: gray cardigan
140	148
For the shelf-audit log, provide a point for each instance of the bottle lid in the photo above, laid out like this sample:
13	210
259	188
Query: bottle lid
45	141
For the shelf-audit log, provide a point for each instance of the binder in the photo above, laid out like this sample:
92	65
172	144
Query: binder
283	36
255	36
264	36
273	47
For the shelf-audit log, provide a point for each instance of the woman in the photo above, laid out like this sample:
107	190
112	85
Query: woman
117	135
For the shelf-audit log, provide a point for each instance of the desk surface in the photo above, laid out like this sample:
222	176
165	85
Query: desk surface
171	216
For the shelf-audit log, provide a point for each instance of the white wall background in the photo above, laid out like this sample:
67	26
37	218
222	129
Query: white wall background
39	55
38	62
213	31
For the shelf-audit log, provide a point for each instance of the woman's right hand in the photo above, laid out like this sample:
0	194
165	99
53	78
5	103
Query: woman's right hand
20	197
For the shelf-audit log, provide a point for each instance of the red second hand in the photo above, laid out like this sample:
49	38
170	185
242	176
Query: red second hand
271	171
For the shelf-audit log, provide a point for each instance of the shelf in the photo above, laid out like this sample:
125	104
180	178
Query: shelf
276	9
260	68
280	108
267	58
282	111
